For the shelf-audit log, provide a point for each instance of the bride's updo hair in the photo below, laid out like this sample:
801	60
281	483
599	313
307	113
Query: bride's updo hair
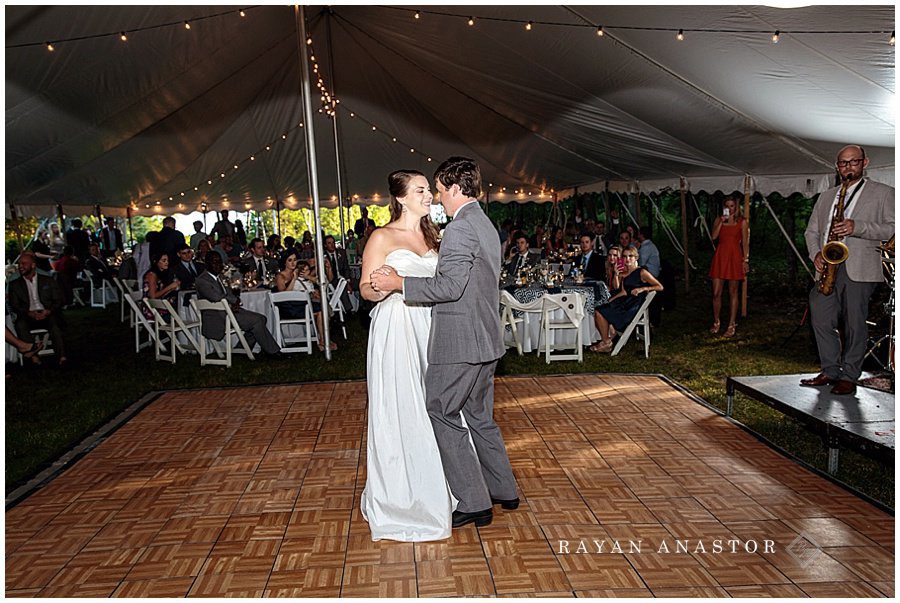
398	185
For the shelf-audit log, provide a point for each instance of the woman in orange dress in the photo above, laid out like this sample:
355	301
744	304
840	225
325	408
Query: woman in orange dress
730	262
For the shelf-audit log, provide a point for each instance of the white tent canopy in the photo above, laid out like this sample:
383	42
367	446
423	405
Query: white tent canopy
132	123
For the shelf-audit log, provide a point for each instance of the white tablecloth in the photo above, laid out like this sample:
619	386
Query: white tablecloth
589	332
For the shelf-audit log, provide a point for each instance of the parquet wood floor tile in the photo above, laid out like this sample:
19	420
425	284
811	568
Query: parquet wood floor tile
255	491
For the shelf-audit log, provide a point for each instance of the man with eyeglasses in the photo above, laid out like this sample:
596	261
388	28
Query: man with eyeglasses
868	220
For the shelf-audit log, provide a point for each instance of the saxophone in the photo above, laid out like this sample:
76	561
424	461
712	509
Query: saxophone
834	252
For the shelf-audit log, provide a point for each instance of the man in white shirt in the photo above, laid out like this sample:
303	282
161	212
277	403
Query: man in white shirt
198	235
648	252
37	302
258	262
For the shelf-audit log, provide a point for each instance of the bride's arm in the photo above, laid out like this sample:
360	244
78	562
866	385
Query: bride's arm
374	257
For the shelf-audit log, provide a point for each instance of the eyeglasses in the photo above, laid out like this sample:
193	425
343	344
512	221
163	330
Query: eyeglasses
849	162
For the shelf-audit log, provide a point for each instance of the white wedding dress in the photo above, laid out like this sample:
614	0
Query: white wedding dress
406	497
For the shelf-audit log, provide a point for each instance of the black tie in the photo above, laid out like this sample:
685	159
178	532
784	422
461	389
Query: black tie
260	270
191	268
334	265
584	262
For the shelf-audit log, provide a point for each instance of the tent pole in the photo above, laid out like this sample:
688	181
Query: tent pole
277	224
300	15
15	222
130	226
637	202
61	219
746	251
684	237
606	207
334	129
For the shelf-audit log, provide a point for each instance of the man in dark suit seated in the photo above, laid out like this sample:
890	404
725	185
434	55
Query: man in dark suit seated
186	269
96	263
522	257
591	262
37	302
253	324
258	262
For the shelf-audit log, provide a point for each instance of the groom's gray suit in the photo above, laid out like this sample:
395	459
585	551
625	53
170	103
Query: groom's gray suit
463	348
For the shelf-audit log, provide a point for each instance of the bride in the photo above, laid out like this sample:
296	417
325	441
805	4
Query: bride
406	497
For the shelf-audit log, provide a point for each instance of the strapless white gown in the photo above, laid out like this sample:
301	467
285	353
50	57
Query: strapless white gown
406	497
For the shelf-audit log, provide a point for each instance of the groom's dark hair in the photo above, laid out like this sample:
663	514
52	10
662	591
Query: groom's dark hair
462	171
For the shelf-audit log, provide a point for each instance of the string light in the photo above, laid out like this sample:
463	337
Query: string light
242	13
528	26
891	41
471	21
123	37
416	16
308	41
775	37
187	25
600	31
680	35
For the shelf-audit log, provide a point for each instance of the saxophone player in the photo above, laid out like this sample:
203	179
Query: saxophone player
868	219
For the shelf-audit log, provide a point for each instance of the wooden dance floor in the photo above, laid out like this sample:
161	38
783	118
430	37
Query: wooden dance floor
255	492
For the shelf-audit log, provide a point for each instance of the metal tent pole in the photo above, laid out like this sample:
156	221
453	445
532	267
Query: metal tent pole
300	16
337	146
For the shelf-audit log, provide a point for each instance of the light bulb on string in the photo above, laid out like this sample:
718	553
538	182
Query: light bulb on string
775	37
242	13
891	41
528	26
252	158
309	41
600	31
680	35
123	37
393	139
416	16
50	47
187	25
471	21
268	148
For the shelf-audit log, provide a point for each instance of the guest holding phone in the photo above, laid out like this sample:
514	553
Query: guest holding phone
730	262
615	266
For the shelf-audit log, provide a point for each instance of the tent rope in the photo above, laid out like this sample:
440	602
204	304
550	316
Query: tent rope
701	220
788	239
672	238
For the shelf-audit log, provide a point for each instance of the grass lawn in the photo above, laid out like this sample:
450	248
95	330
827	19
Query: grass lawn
48	410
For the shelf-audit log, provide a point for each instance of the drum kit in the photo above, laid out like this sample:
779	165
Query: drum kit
880	346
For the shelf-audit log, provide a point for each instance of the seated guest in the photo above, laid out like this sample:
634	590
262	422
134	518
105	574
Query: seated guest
142	255
186	269
67	268
307	279
128	269
227	251
253	324
625	240
28	350
289	244
160	283
591	264
273	246
522	256
258	262
37	302
648	252
614	268
287	280
203	247
350	238
340	268
556	243
537	241
96	263
617	314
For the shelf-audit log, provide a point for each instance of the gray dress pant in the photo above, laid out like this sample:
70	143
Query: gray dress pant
849	301
468	389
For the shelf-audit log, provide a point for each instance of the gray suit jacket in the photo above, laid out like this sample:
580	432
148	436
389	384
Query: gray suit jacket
873	217
211	289
465	321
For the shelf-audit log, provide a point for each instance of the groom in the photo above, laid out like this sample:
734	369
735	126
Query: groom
464	346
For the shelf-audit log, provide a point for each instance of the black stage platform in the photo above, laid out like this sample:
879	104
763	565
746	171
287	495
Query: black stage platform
864	421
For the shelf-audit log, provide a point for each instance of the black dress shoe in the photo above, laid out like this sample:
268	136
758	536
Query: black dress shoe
481	518
843	388
509	505
820	379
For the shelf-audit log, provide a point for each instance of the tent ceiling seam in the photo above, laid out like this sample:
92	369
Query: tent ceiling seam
789	141
488	107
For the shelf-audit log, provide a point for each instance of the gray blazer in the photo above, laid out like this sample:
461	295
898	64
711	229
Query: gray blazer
211	289
873	218
465	321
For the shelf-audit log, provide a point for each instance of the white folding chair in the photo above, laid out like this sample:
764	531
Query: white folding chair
572	307
42	335
307	322
101	295
232	328
509	305
171	326
641	319
123	291
139	321
334	301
